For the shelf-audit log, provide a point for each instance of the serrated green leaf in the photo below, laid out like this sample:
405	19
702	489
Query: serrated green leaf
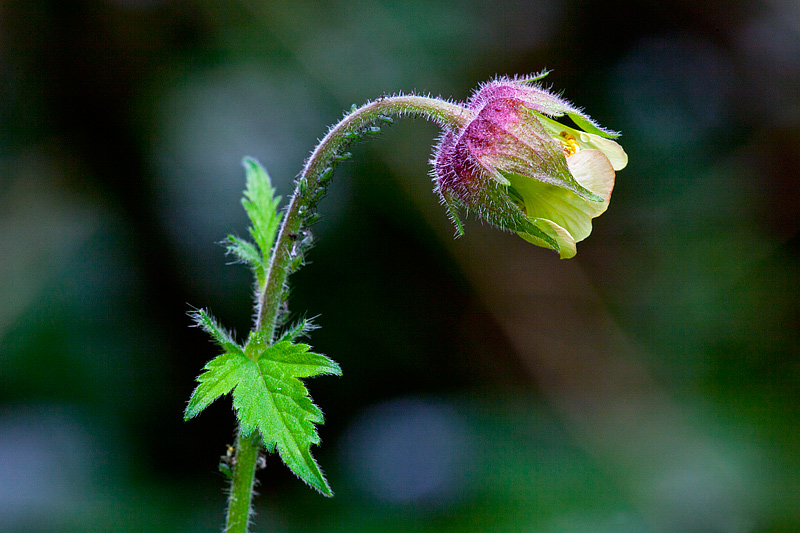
296	360
261	205
271	399
222	374
219	335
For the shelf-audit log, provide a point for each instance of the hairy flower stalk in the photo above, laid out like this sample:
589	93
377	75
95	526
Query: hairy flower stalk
522	171
501	154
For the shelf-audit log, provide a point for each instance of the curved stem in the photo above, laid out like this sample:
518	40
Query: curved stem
440	111
280	265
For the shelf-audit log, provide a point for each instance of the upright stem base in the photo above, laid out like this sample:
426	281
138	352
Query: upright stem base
244	473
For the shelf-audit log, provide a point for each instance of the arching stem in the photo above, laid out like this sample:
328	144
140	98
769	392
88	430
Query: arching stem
444	113
314	176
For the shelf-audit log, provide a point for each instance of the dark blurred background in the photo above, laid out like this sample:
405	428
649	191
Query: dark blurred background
648	385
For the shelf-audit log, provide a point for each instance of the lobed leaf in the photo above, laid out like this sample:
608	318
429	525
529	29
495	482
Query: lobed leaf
271	398
261	205
222	374
298	361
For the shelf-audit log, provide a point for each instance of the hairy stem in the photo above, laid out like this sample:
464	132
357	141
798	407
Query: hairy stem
318	166
244	471
444	113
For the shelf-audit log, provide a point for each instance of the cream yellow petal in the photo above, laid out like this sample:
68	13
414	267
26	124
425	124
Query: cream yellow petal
593	170
613	151
563	207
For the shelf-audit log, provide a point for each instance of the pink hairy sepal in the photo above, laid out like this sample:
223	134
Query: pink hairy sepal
503	137
499	109
533	97
462	179
536	98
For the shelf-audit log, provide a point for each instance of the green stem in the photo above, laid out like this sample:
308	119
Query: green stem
280	264
444	113
244	475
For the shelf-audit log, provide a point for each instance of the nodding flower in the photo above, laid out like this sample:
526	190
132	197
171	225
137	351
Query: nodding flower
523	171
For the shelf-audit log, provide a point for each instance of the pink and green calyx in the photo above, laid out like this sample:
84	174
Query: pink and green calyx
523	171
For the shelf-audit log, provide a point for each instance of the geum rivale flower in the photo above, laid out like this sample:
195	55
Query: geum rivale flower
523	171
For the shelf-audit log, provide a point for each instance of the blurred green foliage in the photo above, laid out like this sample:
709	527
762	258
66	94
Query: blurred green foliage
651	384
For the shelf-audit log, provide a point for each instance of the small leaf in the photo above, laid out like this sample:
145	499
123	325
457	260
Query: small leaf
261	205
271	399
220	336
301	328
248	253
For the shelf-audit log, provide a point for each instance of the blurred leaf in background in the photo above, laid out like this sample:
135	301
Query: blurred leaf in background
651	384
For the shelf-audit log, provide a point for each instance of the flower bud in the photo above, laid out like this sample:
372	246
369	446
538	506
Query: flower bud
522	171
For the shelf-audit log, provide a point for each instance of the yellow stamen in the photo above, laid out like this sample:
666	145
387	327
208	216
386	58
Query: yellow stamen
570	144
